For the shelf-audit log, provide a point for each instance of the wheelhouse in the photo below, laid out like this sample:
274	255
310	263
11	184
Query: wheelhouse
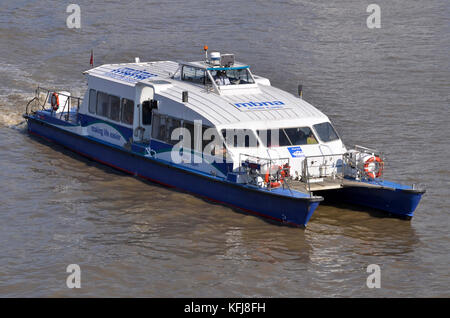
216	78
221	108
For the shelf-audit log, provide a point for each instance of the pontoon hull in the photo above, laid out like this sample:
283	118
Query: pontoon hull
293	210
398	202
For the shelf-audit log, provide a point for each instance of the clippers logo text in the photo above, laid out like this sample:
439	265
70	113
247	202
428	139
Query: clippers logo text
260	105
129	75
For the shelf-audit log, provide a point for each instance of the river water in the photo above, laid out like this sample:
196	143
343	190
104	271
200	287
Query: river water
386	88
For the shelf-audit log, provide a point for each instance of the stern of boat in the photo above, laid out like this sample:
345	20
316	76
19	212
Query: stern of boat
356	177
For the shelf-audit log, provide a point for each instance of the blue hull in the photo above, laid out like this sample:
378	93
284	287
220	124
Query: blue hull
278	204
401	201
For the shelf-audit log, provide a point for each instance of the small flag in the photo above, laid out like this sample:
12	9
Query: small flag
92	58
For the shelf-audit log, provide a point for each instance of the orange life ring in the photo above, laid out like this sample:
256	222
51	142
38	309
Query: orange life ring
377	160
55	101
273	184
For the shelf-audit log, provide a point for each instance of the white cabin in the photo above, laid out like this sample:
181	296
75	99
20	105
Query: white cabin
145	102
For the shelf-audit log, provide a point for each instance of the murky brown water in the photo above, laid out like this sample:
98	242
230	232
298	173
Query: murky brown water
386	88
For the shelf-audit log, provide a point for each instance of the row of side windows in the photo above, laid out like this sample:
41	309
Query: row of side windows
163	127
111	107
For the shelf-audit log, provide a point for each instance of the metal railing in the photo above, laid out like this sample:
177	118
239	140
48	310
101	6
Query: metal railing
370	151
322	168
322	171
40	103
270	170
357	163
328	171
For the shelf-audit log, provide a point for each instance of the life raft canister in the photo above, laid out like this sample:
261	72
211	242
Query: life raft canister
55	101
374	172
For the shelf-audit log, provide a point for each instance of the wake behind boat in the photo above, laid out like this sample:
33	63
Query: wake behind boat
216	130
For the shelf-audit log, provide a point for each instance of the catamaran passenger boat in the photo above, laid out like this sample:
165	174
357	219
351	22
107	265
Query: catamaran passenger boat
214	129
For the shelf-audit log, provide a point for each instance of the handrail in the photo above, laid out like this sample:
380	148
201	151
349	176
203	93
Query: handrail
367	150
56	91
28	104
370	152
322	168
65	108
339	166
260	162
327	170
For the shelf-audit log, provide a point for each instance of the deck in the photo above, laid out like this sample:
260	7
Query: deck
324	184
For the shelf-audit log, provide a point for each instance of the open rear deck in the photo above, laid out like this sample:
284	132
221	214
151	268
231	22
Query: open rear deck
331	184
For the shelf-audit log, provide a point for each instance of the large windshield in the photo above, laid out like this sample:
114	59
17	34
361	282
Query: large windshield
287	137
232	76
326	132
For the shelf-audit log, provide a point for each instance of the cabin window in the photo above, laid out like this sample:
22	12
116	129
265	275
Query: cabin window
115	108
205	142
92	100
191	143
193	74
159	127
326	132
241	76
190	127
296	136
102	104
240	138
172	124
214	145
201	142
155	126
163	126
232	76
300	136
127	111
110	106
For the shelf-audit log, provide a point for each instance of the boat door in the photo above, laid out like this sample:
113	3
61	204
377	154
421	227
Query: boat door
144	107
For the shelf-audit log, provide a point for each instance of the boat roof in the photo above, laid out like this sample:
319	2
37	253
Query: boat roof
258	104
